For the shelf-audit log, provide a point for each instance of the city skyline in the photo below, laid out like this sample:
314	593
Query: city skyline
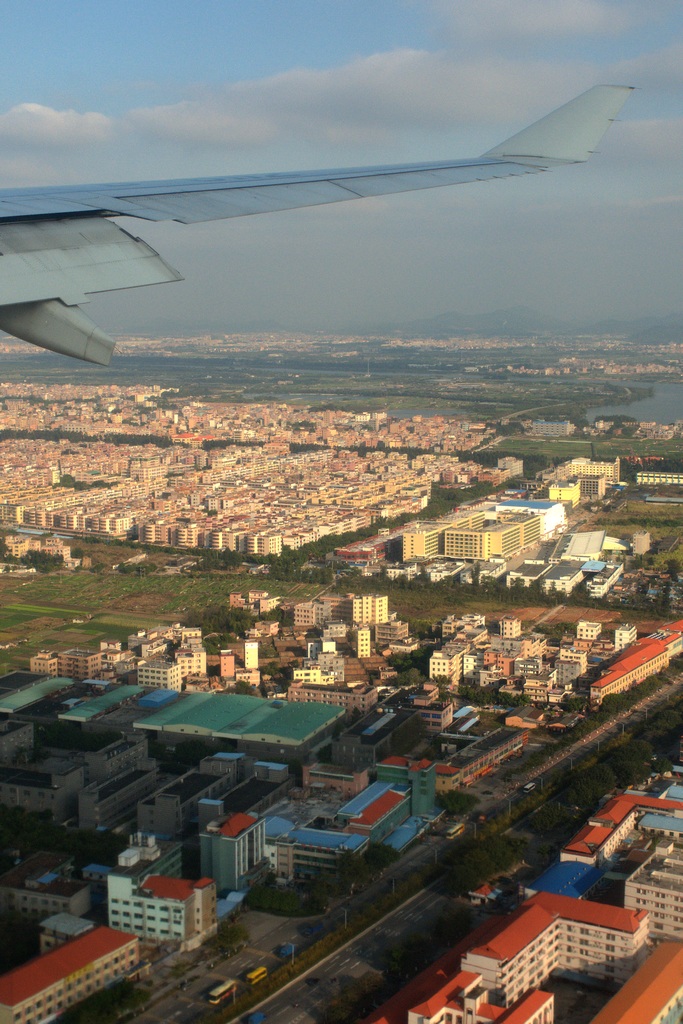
232	91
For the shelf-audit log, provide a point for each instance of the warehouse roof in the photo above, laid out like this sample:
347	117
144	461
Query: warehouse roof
233	715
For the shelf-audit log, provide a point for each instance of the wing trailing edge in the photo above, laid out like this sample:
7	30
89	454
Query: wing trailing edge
58	244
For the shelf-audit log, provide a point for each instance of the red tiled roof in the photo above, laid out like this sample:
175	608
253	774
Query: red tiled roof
164	887
518	930
203	883
422	987
589	839
236	823
649	990
378	808
446	769
524	1009
396	761
44	971
447	992
633	657
418	766
617	919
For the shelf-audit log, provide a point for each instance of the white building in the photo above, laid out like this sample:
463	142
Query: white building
160	673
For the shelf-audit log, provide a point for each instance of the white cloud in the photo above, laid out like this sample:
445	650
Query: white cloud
659	69
369	99
38	125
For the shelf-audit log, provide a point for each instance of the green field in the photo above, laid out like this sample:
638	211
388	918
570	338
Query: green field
111	605
570	447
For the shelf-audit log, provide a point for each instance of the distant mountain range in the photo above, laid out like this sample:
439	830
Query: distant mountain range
515	322
523	322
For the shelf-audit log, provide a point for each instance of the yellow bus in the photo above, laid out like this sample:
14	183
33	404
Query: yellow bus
455	830
258	974
222	991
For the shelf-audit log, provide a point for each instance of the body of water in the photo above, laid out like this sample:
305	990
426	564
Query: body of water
664	405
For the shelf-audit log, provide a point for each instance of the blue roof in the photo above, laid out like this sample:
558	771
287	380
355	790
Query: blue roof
461	712
277	765
404	834
158	698
661	821
228	903
329	840
567	878
101	869
48	877
277	826
592	565
371	793
228	755
674	793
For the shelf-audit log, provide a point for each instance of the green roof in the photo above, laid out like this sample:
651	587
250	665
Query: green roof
27	695
98	705
235	716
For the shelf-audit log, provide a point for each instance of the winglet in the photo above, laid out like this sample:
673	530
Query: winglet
570	134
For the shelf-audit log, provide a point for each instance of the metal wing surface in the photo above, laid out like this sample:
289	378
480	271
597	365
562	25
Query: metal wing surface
58	244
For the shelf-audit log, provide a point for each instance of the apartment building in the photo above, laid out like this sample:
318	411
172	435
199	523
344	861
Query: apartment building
46	986
504	538
566	491
446	664
550	933
163	909
45	663
654	995
583	467
624	636
79	664
636	663
42	885
361	698
657	887
233	851
160	672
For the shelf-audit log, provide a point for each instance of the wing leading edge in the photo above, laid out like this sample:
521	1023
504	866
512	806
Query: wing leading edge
57	245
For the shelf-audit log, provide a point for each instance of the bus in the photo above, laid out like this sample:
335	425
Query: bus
222	991
529	787
455	830
258	974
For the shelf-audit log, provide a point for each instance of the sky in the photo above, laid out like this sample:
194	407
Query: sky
119	91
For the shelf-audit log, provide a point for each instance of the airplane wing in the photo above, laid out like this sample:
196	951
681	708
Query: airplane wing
59	244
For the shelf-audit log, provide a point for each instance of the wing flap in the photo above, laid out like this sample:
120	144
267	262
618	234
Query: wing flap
69	259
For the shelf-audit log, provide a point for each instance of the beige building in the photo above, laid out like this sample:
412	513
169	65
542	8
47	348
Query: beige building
502	539
45	663
79	664
361	698
584	467
363	643
159	672
657	886
46	986
163	909
586	630
566	491
551	933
